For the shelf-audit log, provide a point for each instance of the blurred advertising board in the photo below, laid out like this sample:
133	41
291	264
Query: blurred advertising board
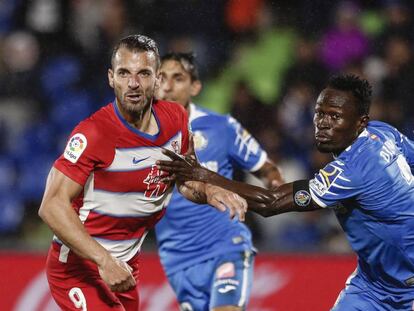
281	282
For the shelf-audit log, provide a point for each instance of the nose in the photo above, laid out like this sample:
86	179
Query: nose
322	122
166	85
133	82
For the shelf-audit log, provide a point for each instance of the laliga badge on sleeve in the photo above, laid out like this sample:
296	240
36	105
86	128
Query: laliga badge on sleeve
75	147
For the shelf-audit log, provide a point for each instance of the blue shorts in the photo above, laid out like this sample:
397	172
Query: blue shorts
353	299
225	280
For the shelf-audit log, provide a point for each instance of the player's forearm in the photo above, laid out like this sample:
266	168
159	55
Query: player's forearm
193	190
66	225
252	194
262	201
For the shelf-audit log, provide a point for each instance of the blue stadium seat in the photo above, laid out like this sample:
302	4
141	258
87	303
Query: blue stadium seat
11	212
70	109
32	176
59	74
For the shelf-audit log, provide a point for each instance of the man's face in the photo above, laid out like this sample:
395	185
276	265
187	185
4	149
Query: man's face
336	120
133	77
176	84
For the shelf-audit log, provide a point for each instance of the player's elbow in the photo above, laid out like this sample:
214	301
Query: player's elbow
43	211
46	210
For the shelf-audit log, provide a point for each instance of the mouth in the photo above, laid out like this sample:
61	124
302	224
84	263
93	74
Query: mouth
134	97
322	138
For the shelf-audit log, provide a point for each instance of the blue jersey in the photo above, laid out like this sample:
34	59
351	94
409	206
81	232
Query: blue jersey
190	233
371	188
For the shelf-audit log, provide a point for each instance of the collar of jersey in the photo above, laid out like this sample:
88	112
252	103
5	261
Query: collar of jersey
364	133
133	129
195	112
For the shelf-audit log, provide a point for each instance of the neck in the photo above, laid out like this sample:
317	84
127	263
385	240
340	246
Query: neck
142	120
188	109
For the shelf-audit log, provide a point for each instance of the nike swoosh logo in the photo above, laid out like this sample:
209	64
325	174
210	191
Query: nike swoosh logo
136	161
226	289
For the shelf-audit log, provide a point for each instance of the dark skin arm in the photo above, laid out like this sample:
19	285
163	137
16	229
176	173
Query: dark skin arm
262	201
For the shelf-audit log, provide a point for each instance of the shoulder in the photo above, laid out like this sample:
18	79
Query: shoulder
100	126
201	114
169	108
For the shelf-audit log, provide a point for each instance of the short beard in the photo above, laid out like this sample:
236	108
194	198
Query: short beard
137	110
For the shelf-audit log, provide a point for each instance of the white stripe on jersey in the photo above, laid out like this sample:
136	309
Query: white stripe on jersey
134	159
123	250
125	204
260	163
316	199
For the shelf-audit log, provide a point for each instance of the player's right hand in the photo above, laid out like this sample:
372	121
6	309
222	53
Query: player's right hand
116	274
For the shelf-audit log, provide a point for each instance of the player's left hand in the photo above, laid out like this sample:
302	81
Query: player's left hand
223	199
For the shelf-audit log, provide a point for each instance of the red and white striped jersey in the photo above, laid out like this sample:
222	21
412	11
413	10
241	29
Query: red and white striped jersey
123	195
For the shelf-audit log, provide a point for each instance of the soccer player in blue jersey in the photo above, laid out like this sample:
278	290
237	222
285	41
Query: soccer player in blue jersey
207	257
369	184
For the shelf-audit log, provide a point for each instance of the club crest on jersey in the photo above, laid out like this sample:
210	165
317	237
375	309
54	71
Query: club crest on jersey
200	141
75	147
302	198
155	186
175	146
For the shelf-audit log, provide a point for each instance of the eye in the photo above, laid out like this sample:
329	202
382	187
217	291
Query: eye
336	116
122	73
145	73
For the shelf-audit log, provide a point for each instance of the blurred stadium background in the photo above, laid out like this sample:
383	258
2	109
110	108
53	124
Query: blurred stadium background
263	61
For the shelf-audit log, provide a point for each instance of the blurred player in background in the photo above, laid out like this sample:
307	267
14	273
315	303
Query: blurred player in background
369	185
207	257
105	191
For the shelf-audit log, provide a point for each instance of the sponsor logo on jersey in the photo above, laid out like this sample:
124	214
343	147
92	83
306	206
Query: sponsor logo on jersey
200	141
302	198
317	186
75	147
329	174
136	161
226	270
226	289
221	282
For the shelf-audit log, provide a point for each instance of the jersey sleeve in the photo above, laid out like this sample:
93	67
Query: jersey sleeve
407	147
334	183
85	151
243	147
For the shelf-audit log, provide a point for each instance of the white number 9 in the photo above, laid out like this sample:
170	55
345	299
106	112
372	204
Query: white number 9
78	298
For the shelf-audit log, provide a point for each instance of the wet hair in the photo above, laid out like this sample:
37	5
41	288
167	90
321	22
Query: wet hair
187	61
138	43
359	87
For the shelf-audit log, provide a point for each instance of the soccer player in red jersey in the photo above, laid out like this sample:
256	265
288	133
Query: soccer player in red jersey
105	191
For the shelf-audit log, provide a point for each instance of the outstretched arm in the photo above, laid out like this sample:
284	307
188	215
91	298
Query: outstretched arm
56	211
286	198
222	199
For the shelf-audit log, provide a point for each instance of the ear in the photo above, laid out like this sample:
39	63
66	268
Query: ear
196	87
111	77
157	80
363	122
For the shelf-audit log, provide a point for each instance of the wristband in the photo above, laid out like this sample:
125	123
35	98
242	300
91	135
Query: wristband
301	194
